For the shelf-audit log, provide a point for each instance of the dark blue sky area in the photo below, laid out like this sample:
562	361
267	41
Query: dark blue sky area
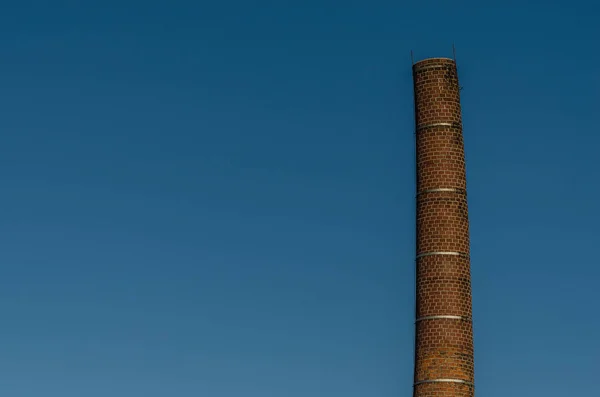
217	198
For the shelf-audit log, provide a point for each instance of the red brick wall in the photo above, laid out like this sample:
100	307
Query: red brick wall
444	346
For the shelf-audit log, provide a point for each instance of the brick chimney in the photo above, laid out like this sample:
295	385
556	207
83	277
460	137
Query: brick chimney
444	332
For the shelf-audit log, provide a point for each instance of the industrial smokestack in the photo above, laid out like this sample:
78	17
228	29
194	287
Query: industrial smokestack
444	332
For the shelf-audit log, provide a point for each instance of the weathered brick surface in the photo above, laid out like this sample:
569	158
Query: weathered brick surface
440	157
444	346
442	221
443	286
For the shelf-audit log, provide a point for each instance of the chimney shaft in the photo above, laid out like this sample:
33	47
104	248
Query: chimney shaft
444	332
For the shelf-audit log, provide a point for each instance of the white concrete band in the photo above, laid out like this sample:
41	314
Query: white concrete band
453	253
443	381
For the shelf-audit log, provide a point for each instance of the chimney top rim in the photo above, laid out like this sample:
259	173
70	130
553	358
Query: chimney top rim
434	59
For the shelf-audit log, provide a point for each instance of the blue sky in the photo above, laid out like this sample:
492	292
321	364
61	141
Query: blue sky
217	198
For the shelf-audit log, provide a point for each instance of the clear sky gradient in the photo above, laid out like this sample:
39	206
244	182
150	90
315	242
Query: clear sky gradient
217	198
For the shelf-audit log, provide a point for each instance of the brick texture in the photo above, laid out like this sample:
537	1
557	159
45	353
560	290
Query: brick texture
444	346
